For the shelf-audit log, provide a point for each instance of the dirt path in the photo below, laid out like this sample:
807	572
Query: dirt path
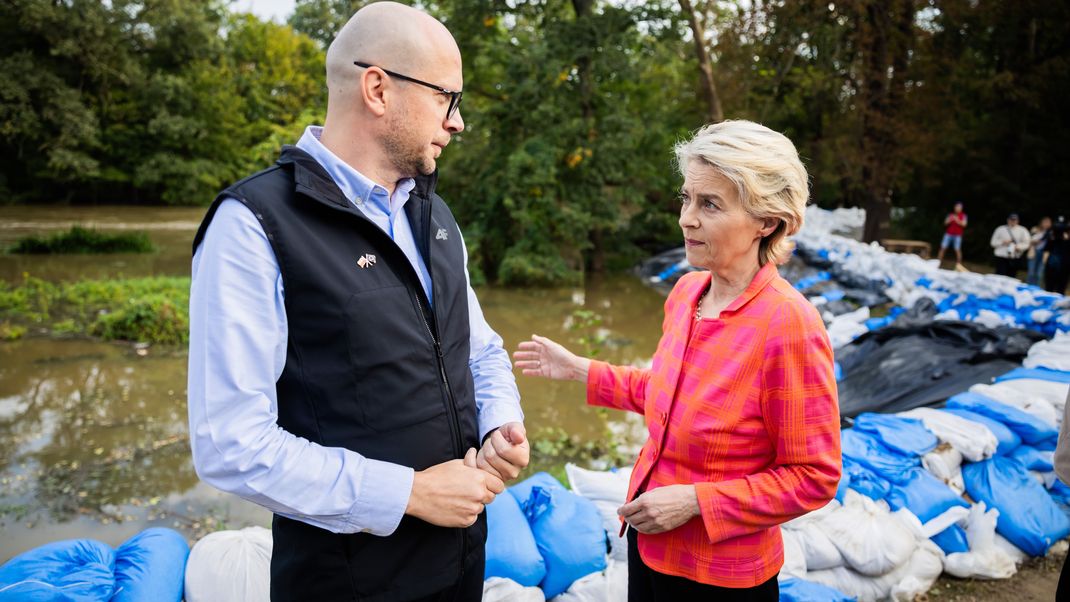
1035	581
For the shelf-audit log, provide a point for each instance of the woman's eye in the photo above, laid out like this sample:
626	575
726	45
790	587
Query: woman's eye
709	205
683	199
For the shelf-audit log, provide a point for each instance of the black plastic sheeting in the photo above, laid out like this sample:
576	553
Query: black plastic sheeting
916	361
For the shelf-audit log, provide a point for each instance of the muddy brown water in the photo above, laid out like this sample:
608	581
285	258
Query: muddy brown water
94	436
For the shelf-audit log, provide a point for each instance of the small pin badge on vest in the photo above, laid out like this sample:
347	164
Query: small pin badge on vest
366	261
442	234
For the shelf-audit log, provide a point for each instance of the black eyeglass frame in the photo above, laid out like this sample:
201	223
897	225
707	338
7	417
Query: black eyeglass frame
455	96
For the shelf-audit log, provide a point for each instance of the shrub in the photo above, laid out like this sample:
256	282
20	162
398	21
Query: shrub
82	240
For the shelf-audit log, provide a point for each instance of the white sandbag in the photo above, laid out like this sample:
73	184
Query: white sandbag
794	558
972	439
1053	354
863	532
817	548
1017	554
230	566
918	575
607	490
610	584
845	328
851	583
1006	392
814	515
952	516
986	559
500	589
1051	391
943	462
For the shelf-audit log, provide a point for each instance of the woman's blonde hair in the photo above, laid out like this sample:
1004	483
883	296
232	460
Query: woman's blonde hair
766	170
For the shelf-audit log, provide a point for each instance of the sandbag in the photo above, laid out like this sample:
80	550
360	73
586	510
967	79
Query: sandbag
76	570
869	541
1033	458
568	531
607	489
907	436
871	453
800	590
794	558
151	566
1008	393
924	495
863	480
511	550
952	540
611	584
1028	517
1058	376
945	463
230	566
499	589
817	548
1008	439
1029	428
973	440
985	559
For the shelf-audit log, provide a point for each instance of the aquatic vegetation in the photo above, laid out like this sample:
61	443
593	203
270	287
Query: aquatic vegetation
149	310
85	240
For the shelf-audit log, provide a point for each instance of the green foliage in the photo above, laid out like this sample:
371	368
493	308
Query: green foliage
153	318
82	240
151	310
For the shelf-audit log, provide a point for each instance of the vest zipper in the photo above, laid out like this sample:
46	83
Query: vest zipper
455	425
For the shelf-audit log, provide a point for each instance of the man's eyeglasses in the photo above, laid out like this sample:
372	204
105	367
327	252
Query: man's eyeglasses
455	97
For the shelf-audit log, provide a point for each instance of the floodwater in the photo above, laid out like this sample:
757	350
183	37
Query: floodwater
94	438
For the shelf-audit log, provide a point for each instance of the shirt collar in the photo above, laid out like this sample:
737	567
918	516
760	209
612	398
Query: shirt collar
356	187
760	280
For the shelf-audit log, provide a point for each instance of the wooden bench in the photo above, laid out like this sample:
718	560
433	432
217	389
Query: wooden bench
917	247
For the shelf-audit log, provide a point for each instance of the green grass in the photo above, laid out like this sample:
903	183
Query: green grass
84	241
150	310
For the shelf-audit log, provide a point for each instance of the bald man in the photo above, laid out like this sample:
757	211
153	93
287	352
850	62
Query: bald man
341	372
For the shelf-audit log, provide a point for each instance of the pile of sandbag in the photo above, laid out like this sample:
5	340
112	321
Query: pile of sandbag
148	566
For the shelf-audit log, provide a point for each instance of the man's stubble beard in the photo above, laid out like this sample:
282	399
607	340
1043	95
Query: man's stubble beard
404	152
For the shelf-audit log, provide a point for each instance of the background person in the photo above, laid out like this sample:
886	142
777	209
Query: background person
341	373
740	401
955	223
1009	244
1057	266
1038	241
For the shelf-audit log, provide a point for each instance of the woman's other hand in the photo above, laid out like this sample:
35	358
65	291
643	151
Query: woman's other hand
542	357
662	509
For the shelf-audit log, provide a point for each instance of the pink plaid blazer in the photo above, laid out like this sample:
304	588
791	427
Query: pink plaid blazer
744	407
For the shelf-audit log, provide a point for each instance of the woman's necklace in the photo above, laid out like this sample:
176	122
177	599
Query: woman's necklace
698	306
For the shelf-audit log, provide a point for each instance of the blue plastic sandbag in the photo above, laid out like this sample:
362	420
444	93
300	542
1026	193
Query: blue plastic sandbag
1028	517
77	570
952	540
924	495
1031	429
871	453
1059	376
1033	459
151	566
511	549
568	531
1008	439
864	480
801	590
908	436
1060	492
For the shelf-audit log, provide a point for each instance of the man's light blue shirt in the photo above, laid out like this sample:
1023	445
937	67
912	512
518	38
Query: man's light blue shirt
238	335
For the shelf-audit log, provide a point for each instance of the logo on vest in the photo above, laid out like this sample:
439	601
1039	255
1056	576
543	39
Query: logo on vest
441	234
366	261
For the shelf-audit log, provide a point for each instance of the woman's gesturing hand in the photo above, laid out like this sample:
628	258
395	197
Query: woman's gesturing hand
542	357
662	509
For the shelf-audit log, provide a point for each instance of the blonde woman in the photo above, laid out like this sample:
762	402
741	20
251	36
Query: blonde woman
740	401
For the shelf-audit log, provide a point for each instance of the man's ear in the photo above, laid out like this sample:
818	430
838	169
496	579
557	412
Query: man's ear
373	91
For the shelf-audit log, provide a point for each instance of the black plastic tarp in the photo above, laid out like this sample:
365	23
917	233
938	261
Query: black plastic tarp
917	361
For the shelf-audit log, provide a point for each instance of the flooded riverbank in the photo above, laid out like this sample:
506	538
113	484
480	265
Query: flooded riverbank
93	435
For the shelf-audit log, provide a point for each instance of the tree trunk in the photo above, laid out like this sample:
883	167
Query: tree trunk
714	114
885	39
